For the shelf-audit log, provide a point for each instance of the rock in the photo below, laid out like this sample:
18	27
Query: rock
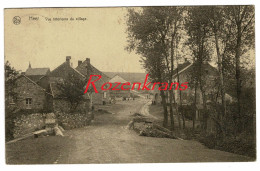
39	133
152	130
61	128
130	125
57	131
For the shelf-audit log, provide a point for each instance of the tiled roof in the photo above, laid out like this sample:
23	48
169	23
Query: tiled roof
22	75
63	69
37	71
35	77
83	68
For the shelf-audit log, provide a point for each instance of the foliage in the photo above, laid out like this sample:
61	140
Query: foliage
211	33
71	88
10	75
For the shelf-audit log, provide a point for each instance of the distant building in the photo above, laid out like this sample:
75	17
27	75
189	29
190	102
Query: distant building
131	78
119	93
38	75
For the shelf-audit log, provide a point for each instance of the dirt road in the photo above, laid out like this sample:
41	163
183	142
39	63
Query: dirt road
108	141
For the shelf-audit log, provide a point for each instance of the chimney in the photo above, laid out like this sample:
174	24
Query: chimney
68	59
88	60
79	62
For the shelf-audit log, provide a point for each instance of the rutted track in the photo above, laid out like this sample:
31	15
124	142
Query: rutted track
106	141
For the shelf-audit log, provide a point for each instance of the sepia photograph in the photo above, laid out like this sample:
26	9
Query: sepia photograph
143	84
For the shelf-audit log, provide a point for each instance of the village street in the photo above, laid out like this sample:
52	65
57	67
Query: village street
108	141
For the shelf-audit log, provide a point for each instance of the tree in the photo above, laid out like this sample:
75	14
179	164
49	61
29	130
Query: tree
147	37
10	75
198	31
221	35
243	33
151	33
72	89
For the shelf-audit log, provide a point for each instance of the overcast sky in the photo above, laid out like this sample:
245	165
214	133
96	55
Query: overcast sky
101	38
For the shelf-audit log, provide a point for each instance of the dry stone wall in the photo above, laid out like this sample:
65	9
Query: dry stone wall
25	124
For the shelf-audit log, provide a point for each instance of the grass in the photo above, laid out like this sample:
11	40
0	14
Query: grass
242	145
42	150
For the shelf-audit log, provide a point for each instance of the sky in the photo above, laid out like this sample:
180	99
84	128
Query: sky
101	37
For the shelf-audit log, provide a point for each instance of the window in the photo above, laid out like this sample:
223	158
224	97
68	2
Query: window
28	102
105	95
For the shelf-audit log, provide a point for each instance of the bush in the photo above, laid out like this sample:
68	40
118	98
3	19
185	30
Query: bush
243	144
9	123
187	110
209	140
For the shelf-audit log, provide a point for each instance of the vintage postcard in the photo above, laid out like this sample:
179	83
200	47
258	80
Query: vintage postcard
154	84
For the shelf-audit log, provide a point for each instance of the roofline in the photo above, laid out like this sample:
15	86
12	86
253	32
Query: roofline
99	70
70	67
94	68
179	72
78	72
120	77
36	84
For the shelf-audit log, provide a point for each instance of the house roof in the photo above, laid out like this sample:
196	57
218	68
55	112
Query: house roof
117	78
36	74
35	78
83	68
187	66
64	66
182	67
37	71
22	75
128	76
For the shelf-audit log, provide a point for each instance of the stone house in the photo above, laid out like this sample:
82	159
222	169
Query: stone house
30	96
185	72
210	86
210	78
59	101
37	89
87	69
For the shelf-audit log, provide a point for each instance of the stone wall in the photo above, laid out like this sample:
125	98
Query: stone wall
25	124
75	120
81	116
29	123
64	106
